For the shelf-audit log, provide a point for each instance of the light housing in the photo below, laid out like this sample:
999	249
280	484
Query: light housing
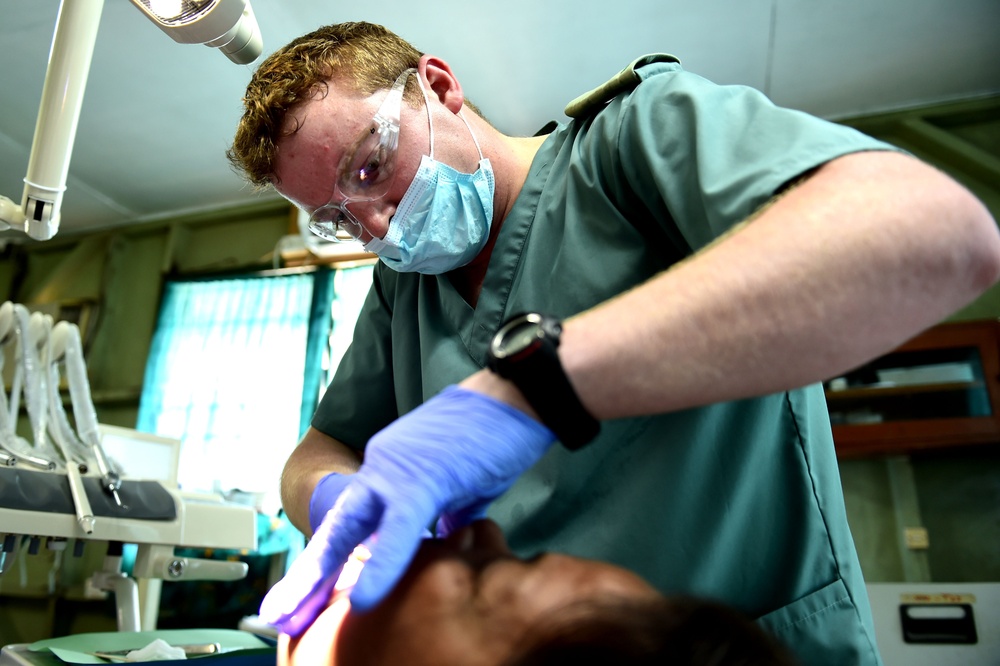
229	25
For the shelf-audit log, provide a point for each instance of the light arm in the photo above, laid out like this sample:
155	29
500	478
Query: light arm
229	25
55	129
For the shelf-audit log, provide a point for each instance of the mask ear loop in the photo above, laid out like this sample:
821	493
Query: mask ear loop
430	123
427	105
474	139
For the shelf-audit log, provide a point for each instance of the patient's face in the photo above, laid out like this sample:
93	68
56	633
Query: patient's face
465	599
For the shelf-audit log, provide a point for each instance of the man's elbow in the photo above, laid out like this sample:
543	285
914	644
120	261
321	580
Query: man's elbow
951	224
981	241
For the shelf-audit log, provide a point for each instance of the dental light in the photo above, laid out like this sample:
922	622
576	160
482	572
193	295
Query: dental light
62	486
228	25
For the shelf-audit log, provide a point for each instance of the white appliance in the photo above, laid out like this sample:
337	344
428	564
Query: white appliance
935	624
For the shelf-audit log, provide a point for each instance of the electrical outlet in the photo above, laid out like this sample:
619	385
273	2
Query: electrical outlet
916	538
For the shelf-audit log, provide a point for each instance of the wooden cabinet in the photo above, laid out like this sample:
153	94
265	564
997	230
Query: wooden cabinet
942	388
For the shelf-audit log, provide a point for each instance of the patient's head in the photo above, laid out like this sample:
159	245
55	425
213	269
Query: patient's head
467	600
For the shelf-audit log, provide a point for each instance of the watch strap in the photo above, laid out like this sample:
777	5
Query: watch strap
545	385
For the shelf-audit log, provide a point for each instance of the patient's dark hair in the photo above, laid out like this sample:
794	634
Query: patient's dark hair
672	630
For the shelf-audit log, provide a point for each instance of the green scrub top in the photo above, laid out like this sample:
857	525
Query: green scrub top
740	501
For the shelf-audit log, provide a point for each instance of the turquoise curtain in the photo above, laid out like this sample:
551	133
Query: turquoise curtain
350	288
336	303
316	345
237	366
225	376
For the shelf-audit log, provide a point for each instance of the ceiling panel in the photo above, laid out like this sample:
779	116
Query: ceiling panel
157	116
889	55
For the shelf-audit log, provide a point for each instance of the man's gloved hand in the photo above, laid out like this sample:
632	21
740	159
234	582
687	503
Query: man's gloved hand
449	457
325	496
308	591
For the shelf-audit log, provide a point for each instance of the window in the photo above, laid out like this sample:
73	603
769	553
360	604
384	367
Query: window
234	371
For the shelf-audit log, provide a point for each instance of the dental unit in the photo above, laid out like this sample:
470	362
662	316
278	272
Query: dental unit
61	486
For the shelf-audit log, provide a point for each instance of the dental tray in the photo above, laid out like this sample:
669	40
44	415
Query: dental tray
234	648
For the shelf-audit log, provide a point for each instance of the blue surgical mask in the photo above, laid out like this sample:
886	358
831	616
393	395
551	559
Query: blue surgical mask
443	220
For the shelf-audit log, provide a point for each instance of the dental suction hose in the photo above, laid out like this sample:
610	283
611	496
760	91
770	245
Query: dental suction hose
66	344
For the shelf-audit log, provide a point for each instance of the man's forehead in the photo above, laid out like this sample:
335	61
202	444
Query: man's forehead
318	126
311	114
304	167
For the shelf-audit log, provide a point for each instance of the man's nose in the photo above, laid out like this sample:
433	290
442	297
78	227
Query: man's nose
374	216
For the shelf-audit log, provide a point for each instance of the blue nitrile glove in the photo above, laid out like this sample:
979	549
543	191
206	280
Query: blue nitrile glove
449	457
449	522
324	496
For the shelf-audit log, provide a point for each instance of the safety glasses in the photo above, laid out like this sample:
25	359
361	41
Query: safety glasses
365	171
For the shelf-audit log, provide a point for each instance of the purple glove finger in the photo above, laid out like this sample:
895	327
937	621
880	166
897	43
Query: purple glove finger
325	496
454	520
399	536
295	601
305	613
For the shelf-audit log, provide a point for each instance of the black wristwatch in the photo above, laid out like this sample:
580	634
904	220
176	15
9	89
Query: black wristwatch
525	351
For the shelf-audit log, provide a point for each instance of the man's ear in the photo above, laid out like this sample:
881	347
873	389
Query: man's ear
441	82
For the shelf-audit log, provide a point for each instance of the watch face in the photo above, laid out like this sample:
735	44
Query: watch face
517	336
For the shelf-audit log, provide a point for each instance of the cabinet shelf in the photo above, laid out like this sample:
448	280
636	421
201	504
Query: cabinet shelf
871	416
874	392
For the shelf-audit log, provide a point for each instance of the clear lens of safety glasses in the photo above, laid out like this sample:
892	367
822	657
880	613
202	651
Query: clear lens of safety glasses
366	170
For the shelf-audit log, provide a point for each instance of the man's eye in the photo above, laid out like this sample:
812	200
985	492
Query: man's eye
368	174
325	215
369	169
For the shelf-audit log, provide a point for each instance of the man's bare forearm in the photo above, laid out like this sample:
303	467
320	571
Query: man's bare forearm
862	255
316	456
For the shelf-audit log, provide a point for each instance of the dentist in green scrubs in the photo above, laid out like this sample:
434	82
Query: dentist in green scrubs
608	337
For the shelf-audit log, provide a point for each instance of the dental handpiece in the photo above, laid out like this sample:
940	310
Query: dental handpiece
111	482
84	513
35	461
